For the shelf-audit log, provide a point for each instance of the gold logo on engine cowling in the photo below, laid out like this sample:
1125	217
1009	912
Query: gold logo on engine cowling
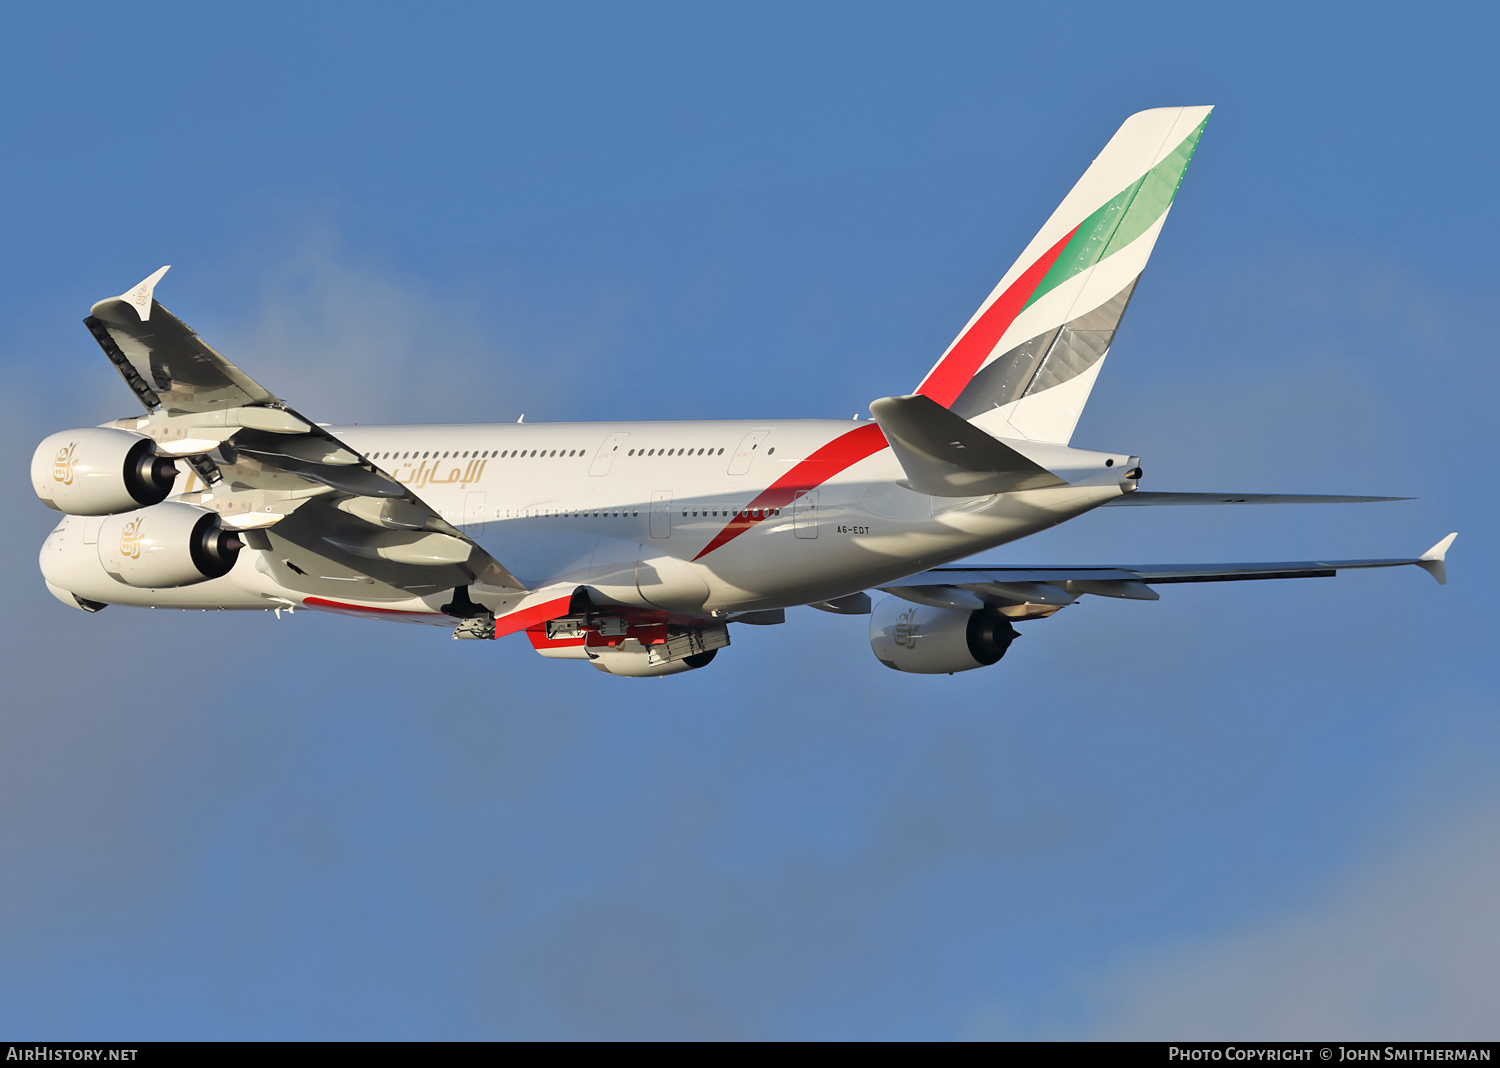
907	628
130	539
63	466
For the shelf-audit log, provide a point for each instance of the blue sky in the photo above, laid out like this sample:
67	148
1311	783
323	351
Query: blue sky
1248	810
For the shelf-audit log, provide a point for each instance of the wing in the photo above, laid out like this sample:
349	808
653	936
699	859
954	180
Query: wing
1147	497
328	520
1043	590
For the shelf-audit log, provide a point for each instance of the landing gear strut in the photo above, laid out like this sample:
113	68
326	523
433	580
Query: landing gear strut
478	621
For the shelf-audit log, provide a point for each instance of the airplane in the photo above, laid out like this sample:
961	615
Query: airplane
634	546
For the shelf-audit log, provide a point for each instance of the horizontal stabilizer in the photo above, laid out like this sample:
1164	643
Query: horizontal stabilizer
1144	497
944	455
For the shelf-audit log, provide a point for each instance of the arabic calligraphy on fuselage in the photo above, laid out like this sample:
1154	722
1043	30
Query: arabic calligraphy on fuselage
429	473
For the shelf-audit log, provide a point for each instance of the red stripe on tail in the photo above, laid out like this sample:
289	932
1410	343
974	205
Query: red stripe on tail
949	377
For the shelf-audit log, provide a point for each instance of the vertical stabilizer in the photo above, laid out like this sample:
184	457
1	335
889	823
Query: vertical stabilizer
1025	363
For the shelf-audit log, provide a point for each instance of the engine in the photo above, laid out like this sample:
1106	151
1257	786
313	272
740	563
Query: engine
937	641
166	545
99	471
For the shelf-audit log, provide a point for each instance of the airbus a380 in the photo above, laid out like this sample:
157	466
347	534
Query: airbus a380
633	546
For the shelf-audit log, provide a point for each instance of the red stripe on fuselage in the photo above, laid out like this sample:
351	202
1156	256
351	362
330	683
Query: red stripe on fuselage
507	624
530	617
841	453
340	606
949	377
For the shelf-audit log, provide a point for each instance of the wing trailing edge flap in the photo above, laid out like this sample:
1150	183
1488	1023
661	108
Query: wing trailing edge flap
260	461
1043	587
944	455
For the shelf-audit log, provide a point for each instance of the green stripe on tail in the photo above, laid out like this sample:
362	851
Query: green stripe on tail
1124	218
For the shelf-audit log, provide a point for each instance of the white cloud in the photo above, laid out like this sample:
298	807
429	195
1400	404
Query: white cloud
347	339
1407	949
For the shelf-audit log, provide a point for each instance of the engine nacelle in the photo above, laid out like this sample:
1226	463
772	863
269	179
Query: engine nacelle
633	660
99	471
629	642
166	545
937	641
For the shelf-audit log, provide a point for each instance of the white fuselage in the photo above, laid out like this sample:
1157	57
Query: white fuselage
695	518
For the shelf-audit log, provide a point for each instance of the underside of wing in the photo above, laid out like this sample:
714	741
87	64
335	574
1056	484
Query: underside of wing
1033	592
327	521
1147	497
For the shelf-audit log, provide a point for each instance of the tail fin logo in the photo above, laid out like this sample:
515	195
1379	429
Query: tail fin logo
65	464
130	539
1053	316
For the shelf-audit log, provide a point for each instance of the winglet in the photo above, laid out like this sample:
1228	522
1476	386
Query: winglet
139	296
1432	560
